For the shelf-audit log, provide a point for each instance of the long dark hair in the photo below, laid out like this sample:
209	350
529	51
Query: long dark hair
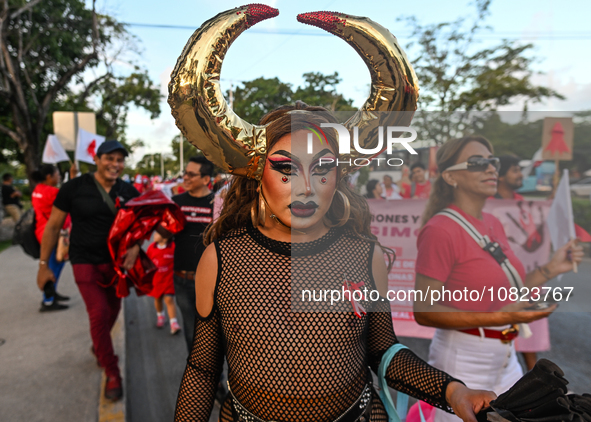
42	172
370	187
242	194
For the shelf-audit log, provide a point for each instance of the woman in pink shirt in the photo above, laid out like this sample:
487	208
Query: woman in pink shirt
47	178
475	346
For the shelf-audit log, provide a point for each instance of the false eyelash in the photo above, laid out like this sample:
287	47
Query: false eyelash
282	166
328	166
323	169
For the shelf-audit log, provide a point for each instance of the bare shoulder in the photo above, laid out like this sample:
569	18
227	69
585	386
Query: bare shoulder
380	270
205	280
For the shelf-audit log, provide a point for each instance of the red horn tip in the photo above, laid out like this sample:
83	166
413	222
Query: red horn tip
329	21
256	12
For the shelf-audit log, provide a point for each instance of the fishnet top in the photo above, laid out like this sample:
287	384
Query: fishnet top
295	364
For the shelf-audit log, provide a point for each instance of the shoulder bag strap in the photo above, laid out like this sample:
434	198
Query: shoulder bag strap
105	196
485	243
495	250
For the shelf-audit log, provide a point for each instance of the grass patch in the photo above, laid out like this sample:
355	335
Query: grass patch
5	244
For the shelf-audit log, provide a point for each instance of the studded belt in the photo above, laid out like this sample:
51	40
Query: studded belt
358	412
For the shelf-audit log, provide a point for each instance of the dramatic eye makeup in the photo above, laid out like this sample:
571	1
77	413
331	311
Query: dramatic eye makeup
285	163
283	166
319	168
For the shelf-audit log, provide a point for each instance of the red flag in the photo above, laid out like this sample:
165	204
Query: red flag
582	234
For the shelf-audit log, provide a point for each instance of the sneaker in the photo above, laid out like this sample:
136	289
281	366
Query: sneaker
113	388
61	298
161	321
174	327
53	307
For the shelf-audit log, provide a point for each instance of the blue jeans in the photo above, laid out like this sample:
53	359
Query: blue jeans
56	267
184	290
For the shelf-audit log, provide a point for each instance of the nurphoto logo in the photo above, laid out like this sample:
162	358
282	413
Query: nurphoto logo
345	144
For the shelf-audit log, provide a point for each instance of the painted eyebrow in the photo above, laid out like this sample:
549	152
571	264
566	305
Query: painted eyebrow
286	154
321	153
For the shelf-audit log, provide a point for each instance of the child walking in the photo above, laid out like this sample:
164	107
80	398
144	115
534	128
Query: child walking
161	252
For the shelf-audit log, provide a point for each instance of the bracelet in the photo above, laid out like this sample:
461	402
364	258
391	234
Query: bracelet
42	262
545	272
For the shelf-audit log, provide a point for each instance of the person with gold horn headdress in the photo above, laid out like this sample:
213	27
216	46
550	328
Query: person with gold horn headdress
290	224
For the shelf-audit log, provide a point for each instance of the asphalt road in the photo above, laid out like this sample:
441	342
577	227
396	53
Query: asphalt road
47	372
155	364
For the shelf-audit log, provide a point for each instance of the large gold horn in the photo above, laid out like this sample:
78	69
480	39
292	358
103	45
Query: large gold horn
394	86
197	102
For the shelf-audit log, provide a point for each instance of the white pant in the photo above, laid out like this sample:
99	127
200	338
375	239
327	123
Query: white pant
482	363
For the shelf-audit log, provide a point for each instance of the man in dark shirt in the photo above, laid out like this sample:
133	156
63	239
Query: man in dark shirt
197	205
510	179
85	199
11	198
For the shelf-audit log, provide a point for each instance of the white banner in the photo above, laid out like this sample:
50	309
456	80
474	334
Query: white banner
54	152
560	219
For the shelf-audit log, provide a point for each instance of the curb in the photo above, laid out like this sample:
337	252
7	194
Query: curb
109	411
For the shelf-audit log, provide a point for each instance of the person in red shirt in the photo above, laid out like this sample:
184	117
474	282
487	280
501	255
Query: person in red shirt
161	252
468	345
405	183
510	178
138	183
47	178
420	186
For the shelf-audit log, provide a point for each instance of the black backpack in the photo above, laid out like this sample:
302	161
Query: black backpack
24	234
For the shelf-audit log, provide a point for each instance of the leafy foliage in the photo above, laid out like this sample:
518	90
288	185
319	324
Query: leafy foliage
457	78
256	98
320	90
45	48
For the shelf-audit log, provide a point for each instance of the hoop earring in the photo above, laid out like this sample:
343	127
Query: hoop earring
346	212
258	215
262	214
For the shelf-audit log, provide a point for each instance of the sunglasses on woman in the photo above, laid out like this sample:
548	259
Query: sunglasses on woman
477	163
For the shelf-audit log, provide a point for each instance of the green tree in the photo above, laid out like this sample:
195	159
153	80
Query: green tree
110	97
524	138
188	151
321	90
45	46
150	165
457	78
253	99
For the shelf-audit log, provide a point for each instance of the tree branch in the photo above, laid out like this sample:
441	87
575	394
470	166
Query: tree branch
26	7
13	135
24	69
86	92
63	81
13	79
66	77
